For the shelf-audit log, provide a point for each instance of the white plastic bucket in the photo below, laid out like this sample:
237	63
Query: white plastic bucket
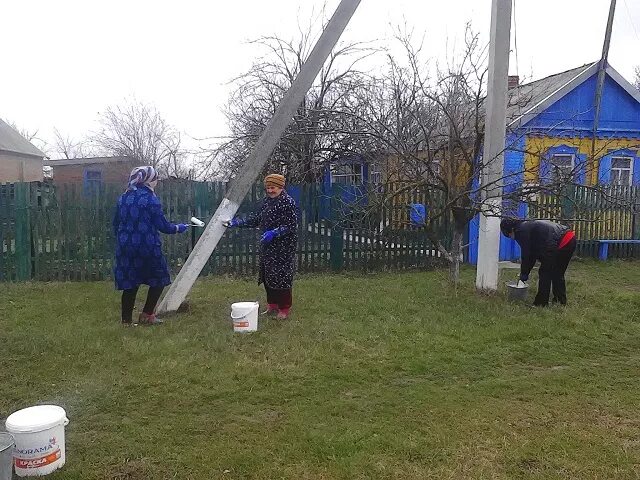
244	316
39	436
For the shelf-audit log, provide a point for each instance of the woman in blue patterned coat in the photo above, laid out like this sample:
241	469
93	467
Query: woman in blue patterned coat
277	218
139	260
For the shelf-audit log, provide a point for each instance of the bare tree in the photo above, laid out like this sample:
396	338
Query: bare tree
430	130
137	130
312	139
67	147
423	125
636	81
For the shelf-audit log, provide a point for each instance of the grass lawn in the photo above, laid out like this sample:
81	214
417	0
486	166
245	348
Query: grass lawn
390	376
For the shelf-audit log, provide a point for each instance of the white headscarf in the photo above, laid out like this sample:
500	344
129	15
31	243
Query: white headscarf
142	176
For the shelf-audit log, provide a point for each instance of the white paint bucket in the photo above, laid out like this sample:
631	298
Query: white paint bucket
244	316
39	436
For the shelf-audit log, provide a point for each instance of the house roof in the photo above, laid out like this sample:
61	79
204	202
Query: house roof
87	161
12	141
531	99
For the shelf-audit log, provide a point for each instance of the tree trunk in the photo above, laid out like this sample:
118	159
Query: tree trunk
460	223
456	252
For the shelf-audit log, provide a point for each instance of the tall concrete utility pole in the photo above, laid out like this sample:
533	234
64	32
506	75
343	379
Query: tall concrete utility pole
258	157
494	144
602	67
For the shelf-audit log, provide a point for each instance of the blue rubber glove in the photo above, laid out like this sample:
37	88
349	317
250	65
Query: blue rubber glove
524	277
268	236
236	222
182	227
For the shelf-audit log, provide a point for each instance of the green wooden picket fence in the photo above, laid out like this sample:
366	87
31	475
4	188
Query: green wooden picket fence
609	212
58	232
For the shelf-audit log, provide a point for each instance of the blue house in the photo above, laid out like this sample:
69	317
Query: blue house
347	177
550	131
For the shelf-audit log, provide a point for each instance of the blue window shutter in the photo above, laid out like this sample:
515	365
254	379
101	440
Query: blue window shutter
604	170
581	169
545	170
92	181
636	171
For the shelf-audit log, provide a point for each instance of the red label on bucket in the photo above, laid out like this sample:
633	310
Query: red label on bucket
38	462
240	324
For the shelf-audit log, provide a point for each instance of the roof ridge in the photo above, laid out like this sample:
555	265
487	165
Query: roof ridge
581	67
11	140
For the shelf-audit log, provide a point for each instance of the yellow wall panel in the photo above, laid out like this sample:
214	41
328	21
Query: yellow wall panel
535	147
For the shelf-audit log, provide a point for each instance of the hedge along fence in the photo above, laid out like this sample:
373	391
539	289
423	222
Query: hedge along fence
60	232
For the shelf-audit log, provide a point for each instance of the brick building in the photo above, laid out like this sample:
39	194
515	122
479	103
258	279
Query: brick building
91	172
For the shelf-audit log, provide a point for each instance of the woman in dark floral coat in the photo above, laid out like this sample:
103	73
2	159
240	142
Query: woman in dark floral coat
139	260
277	218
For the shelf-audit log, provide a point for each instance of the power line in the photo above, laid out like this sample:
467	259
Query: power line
635	30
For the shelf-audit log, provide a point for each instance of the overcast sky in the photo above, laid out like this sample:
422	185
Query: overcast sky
63	61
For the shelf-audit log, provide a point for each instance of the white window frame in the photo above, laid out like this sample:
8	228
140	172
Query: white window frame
555	169
375	173
348	178
619	169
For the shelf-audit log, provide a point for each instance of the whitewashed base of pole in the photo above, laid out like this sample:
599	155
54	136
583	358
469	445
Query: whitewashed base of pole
198	258
488	253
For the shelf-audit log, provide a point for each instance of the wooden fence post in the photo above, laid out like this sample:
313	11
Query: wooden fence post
337	234
635	220
23	232
567	207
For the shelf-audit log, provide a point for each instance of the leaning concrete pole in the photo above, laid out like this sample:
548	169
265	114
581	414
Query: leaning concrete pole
494	144
254	163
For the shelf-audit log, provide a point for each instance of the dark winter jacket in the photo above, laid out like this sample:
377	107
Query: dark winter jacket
277	258
136	226
538	240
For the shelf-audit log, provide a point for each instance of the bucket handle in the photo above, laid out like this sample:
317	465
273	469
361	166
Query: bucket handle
246	314
66	421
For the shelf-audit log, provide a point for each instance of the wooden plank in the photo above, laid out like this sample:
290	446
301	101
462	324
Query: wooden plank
5	241
61	244
75	245
67	231
314	221
9	233
23	232
92	220
303	225
37	231
46	229
317	244
107	247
